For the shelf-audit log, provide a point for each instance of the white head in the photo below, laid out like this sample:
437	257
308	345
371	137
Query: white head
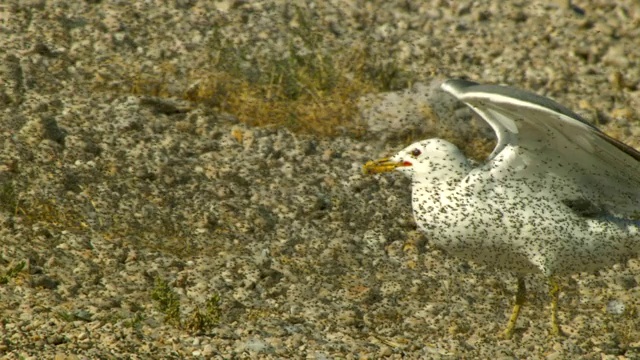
432	158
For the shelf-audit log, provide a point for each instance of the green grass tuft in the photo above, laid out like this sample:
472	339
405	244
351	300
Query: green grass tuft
12	272
204	320
167	301
201	320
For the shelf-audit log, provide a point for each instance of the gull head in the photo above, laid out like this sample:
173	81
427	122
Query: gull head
426	159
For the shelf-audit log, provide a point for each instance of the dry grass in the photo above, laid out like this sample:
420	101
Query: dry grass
311	91
315	95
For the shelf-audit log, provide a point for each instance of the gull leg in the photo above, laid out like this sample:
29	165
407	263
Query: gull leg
554	291
520	298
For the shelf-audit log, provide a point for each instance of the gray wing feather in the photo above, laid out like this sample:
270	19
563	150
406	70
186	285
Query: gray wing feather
556	140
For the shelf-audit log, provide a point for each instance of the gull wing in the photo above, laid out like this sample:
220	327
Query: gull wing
536	134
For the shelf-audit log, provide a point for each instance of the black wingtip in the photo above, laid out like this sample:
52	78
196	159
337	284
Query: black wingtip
461	88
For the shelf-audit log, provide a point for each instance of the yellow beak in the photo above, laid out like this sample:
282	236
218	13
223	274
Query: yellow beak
382	166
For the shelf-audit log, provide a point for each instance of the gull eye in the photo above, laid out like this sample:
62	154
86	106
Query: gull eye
416	152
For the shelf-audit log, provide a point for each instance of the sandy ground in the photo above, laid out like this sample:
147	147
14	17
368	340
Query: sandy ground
105	194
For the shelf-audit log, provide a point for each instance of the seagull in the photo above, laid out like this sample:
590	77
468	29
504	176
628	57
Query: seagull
556	196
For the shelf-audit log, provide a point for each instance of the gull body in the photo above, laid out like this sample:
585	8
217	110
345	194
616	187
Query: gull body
556	196
499	218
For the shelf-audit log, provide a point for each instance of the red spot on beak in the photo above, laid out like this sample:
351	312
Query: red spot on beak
406	163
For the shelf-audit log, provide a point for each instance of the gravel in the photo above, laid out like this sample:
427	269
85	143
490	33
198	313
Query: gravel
105	193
